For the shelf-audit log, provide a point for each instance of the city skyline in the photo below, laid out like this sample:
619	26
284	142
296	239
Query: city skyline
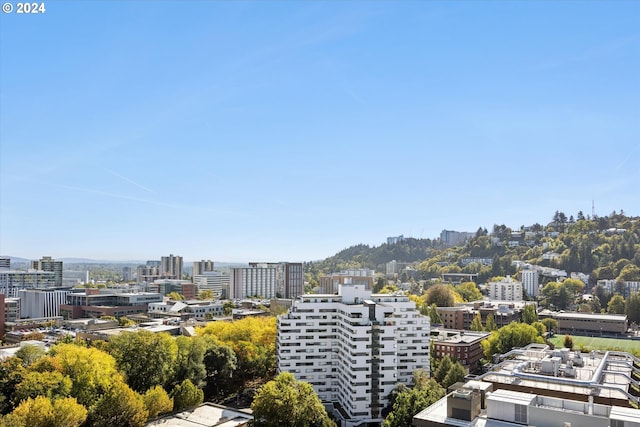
288	131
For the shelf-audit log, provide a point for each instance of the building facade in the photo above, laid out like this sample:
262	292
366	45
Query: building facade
506	290
531	282
245	282
289	277
46	263
353	348
463	346
215	281
106	302
41	303
171	267
202	266
13	280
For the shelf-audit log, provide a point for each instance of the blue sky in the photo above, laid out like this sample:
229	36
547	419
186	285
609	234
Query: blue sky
241	131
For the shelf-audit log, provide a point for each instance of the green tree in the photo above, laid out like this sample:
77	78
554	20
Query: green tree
476	323
455	374
220	363
186	395
11	374
529	314
125	322
157	401
206	295
616	305
574	286
440	295
119	406
443	369
629	272
379	285
145	358
490	323
408	402
512	335
632	307
288	403
468	291
190	360
227	308
433	314
550	324
29	353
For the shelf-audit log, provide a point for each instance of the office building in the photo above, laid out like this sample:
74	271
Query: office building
13	280
106	302
47	263
506	289
203	266
149	272
41	303
171	267
5	263
353	348
127	274
215	281
247	282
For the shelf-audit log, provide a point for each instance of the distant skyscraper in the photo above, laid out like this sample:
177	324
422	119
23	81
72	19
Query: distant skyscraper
247	282
46	263
171	267
530	279
203	266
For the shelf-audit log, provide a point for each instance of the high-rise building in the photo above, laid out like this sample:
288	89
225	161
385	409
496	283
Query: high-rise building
353	348
505	290
46	263
126	274
453	238
247	282
13	280
171	267
5	263
203	266
530	281
289	277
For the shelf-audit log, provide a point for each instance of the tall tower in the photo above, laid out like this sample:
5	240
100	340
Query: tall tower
171	266
46	263
203	266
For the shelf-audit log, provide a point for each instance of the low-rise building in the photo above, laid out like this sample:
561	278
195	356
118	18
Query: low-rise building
106	302
463	346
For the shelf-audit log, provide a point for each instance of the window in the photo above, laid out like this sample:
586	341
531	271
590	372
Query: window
521	414
617	423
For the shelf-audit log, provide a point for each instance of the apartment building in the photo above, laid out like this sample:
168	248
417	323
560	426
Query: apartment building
463	346
47	263
13	280
289	277
259	281
506	289
202	266
171	267
353	347
329	284
531	282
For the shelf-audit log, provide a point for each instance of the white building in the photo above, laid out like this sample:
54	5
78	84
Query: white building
216	281
13	280
531	282
505	290
353	348
245	282
36	303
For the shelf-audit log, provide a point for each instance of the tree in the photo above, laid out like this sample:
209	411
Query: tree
443	368
408	402
30	353
379	285
468	291
119	406
190	360
40	412
616	305
440	295
629	272
11	374
512	335
433	314
220	362
227	308
632	307
206	295
175	296
490	323
574	286
568	342
529	314
476	323
157	401
146	359
288	403
48	384
91	370
550	324
455	374
186	395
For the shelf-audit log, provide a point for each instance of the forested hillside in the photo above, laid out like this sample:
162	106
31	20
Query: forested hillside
606	247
